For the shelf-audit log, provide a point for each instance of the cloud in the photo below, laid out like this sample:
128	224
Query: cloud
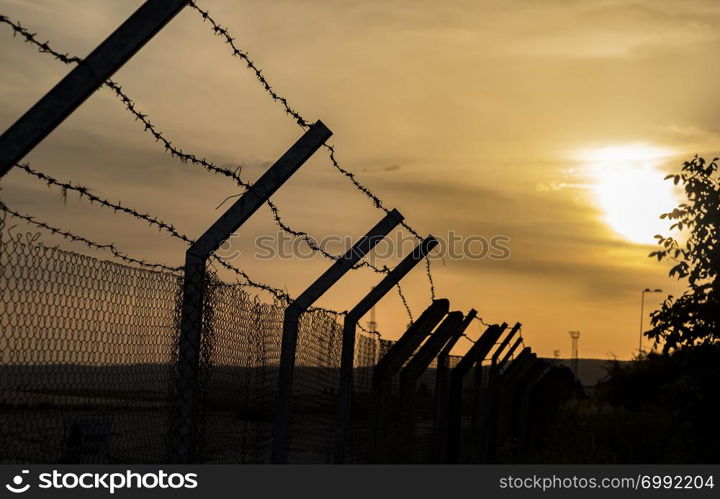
550	187
461	114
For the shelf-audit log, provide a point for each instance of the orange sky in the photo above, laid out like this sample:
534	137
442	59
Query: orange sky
538	121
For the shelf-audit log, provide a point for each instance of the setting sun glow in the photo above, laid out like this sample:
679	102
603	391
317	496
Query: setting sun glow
628	187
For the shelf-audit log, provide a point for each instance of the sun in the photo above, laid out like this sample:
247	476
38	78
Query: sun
630	190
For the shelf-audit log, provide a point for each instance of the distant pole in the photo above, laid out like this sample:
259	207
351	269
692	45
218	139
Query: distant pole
642	312
372	323
575	335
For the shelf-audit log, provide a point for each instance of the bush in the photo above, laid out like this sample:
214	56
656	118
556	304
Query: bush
680	389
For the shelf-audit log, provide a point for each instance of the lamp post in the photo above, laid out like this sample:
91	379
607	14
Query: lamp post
642	307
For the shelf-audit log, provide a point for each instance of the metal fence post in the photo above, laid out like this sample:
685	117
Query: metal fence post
410	374
526	406
476	353
501	348
506	391
442	393
518	392
506	357
52	109
490	443
547	395
194	281
342	419
291	319
484	398
387	367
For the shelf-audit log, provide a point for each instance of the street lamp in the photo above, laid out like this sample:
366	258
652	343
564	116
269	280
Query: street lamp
642	306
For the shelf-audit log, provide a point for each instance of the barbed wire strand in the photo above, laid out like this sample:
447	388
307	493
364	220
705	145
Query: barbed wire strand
277	293
87	242
481	321
83	192
468	338
44	47
404	302
224	33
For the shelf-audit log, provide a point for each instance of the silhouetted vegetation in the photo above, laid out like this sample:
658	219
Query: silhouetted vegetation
661	408
694	317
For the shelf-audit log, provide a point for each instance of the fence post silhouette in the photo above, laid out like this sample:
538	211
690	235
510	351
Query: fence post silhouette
291	319
410	374
476	353
518	393
491	427
501	348
442	393
65	97
503	411
527	403
483	396
548	393
506	357
387	367
342	419
483	406
194	280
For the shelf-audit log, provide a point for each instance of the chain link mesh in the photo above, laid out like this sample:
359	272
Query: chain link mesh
86	350
88	364
241	341
89	353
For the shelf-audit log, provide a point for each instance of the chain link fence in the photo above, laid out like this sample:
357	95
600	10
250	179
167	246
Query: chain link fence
88	365
86	357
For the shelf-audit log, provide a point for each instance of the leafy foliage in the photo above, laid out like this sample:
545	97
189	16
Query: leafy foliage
694	317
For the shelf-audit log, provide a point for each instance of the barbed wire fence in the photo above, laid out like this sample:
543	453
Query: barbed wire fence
241	335
185	157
